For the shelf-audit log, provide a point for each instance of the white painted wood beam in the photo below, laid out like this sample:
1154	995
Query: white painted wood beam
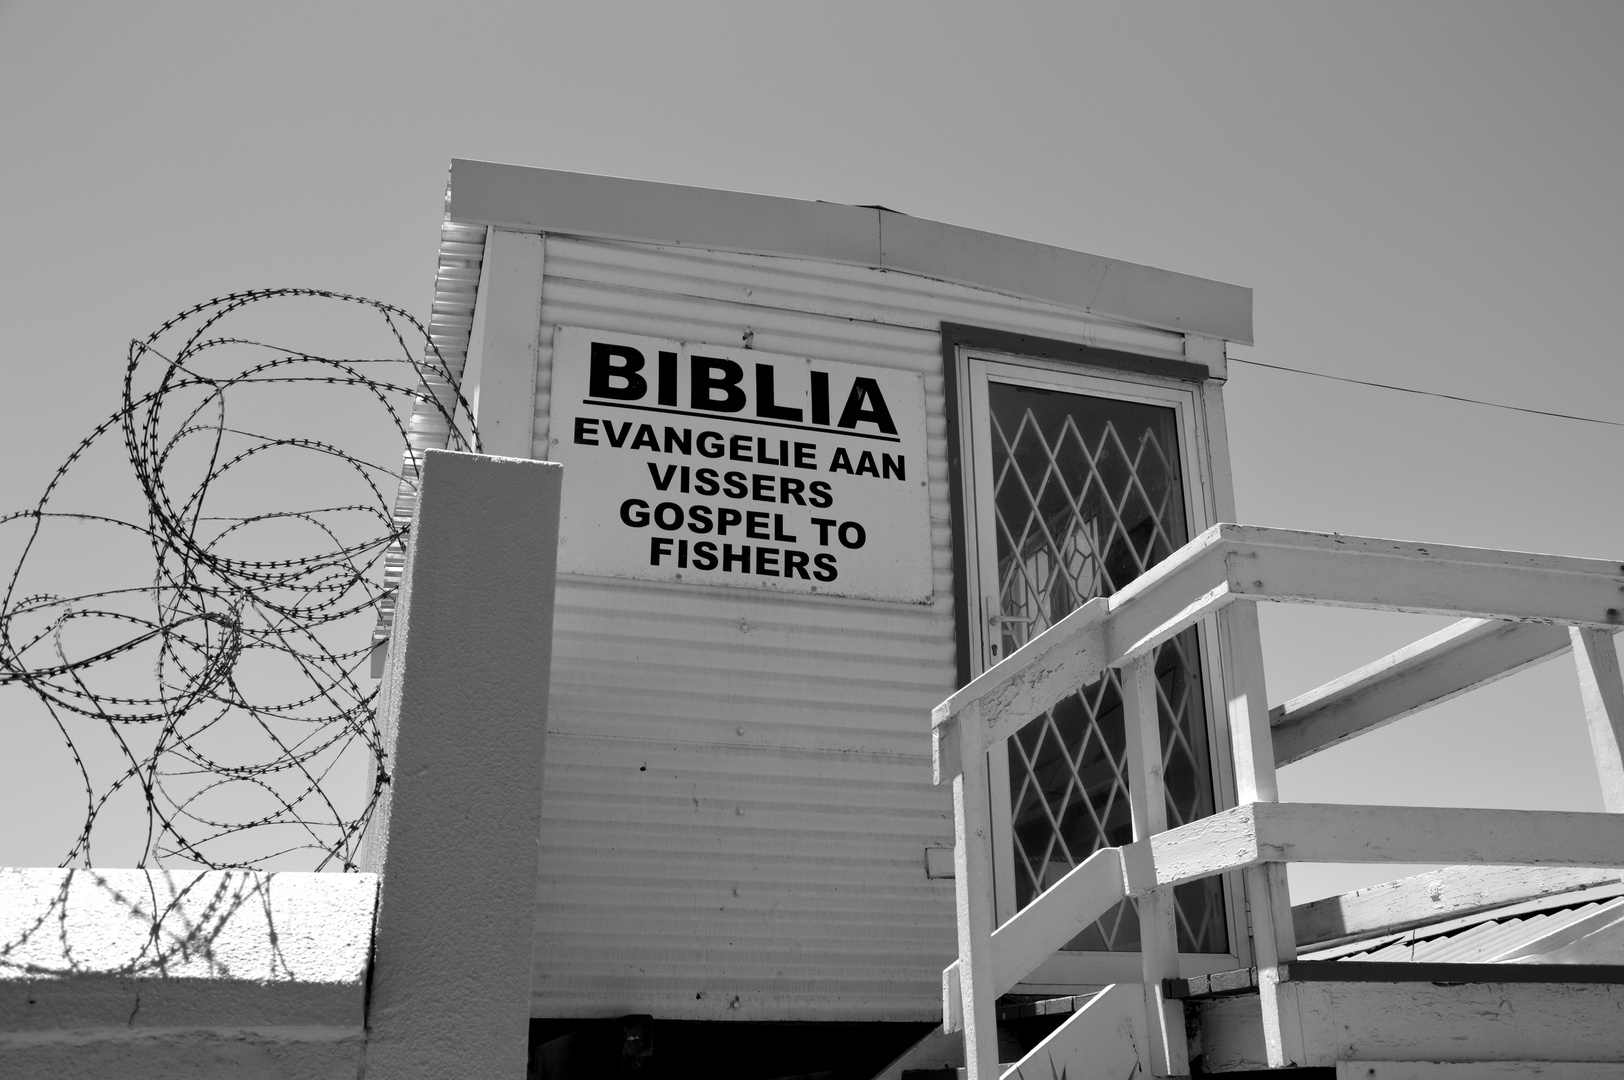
1158	927
1453	891
1603	695
1211	845
1350	545
1254	833
1168	598
1473	1024
1316	832
1393	575
1470	654
1041	928
1251	741
1230	562
1268	899
1483	1021
1064	910
972	888
1479	1070
1068	655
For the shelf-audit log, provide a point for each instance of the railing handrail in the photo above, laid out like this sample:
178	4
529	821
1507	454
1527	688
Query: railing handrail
1230	562
1518	608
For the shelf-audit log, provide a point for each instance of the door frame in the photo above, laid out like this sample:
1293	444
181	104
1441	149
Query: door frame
971	355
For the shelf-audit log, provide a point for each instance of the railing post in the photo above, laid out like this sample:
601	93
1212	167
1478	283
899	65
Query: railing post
1603	694
972	888
1158	929
1267	896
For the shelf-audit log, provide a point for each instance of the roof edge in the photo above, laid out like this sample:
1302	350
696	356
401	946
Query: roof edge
582	204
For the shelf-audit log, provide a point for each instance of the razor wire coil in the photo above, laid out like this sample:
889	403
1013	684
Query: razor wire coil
225	684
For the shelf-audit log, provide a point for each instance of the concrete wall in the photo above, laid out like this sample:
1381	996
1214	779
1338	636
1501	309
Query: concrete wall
465	709
243	974
148	973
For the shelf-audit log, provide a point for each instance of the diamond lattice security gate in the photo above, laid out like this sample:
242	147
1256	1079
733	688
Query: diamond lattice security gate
1089	494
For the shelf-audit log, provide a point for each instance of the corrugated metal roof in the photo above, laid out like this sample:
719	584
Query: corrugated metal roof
456	284
1576	928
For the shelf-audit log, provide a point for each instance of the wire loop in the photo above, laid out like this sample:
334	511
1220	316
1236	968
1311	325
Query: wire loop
219	678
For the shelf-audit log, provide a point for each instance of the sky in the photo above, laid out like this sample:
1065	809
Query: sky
1420	194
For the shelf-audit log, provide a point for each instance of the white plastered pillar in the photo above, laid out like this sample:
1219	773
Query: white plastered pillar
464	714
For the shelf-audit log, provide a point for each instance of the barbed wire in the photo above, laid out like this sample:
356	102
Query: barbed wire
220	677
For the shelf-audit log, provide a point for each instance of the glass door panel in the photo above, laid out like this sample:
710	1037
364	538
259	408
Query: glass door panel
1082	493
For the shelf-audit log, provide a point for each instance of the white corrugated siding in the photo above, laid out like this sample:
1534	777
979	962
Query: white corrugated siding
738	795
456	285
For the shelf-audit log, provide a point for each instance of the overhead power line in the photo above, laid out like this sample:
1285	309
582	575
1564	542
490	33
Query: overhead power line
1428	393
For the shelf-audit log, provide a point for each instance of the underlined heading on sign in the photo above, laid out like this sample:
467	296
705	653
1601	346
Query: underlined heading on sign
816	508
743	420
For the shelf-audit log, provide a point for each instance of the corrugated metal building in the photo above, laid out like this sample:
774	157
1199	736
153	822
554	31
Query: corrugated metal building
740	820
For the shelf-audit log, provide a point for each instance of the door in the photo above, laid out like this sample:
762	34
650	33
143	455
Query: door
1078	483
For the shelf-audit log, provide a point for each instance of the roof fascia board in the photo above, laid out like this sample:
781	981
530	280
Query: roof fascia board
1123	291
581	204
642	211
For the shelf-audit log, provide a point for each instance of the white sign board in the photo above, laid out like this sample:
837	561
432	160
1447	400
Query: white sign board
727	466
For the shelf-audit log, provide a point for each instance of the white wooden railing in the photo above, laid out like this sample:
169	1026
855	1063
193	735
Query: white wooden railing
1520	609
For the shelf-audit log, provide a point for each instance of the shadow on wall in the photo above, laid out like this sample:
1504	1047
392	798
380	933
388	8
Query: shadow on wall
144	972
221	924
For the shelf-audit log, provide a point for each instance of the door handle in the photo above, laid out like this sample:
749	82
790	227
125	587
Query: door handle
996	624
